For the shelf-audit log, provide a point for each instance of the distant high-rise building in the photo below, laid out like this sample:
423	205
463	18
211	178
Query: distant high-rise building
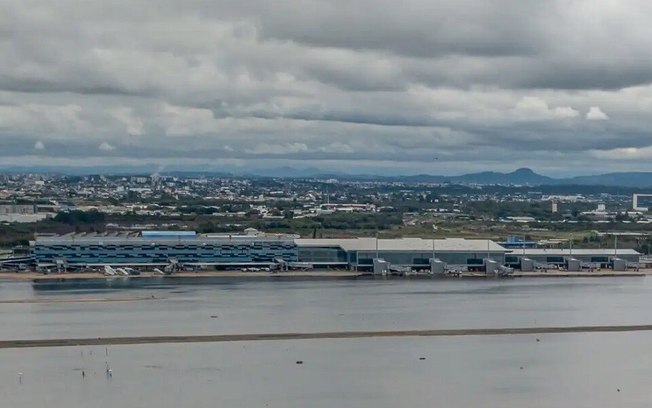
554	207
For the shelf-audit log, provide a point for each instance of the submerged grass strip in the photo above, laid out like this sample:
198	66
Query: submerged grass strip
320	335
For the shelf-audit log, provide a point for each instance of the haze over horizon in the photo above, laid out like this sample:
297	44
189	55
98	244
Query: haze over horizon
285	171
419	87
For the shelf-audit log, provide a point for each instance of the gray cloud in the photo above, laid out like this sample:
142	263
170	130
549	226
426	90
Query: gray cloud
365	84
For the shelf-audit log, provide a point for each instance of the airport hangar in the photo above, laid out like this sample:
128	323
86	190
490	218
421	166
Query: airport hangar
187	249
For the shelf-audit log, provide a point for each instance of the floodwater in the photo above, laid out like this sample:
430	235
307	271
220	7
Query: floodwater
562	370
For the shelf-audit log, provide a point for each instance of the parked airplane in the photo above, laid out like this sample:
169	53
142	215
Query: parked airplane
108	271
122	271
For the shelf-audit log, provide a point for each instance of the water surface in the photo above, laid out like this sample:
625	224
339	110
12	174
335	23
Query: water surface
579	370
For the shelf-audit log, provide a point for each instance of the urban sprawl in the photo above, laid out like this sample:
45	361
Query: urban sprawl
186	222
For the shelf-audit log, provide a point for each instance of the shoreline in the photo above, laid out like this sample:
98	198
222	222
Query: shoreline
324	274
35	276
77	300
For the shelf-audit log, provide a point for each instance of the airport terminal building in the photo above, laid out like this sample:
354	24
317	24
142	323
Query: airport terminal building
359	253
161	248
559	257
187	249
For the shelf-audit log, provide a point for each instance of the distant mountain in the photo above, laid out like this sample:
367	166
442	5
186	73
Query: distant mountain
526	176
522	176
624	179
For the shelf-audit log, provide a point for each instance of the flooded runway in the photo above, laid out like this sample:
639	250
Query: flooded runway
537	343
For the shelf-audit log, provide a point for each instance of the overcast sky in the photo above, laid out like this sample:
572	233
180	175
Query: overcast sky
413	86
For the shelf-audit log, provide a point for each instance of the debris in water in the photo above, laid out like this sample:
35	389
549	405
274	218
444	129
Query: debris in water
299	361
422	358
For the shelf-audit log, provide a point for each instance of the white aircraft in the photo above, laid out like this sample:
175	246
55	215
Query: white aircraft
122	272
108	271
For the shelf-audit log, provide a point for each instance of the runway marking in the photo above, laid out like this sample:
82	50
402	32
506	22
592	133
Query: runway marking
218	338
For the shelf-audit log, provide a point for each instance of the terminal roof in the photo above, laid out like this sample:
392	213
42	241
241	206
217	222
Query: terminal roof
405	244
